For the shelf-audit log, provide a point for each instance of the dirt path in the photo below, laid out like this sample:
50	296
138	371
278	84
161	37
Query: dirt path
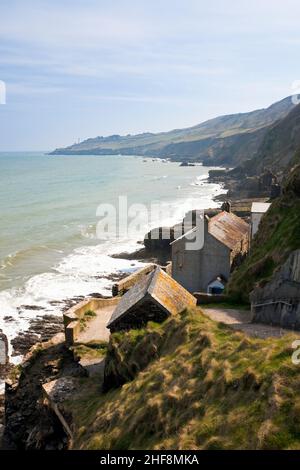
241	320
95	329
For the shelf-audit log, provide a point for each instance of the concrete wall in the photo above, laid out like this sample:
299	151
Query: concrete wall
214	261
194	270
72	316
125	284
3	350
255	220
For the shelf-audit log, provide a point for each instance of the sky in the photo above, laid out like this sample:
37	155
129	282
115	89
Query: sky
74	69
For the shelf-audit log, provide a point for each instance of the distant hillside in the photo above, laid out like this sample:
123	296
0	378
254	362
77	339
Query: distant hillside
277	237
227	140
278	146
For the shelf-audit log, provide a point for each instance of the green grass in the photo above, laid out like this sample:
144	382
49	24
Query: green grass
206	387
90	350
88	315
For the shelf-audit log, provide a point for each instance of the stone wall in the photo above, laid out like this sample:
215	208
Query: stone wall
278	302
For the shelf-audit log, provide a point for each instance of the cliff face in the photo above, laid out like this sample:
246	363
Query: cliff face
277	237
29	423
225	140
278	146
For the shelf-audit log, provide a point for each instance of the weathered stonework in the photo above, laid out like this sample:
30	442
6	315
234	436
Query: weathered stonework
278	302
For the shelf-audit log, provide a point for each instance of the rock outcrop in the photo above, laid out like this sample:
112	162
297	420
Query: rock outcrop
29	422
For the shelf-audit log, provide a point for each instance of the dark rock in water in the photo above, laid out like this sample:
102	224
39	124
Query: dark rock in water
23	342
55	302
112	277
96	295
187	164
68	303
41	329
8	318
31	307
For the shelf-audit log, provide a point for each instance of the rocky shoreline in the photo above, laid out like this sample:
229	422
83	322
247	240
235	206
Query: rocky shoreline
44	328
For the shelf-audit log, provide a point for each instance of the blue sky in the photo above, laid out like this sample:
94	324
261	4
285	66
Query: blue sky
82	68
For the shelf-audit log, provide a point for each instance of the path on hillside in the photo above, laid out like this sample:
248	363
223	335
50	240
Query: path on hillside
95	329
240	320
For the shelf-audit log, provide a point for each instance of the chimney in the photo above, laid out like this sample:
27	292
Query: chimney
226	206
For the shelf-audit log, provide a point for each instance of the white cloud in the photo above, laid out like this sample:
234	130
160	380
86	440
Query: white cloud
26	89
60	26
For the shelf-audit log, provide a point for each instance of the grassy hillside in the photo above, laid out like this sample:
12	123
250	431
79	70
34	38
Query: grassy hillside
278	145
225	139
203	387
278	235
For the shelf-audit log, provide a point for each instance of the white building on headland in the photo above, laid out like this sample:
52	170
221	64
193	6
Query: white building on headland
258	209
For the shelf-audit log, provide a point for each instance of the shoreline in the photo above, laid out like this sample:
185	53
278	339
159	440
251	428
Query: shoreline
42	326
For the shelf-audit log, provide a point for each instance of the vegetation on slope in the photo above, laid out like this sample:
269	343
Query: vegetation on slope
277	237
278	146
206	387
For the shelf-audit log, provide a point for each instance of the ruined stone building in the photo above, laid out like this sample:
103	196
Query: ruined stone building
207	269
154	298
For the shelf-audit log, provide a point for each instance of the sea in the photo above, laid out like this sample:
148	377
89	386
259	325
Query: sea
62	219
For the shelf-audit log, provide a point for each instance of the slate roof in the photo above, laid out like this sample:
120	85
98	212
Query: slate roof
228	228
161	288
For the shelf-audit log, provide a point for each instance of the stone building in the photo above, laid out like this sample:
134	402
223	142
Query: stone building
207	269
278	302
154	298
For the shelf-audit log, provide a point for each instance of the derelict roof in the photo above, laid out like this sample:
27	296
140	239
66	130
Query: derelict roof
260	207
161	288
226	227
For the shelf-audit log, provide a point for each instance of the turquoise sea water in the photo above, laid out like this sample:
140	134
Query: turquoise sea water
48	245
